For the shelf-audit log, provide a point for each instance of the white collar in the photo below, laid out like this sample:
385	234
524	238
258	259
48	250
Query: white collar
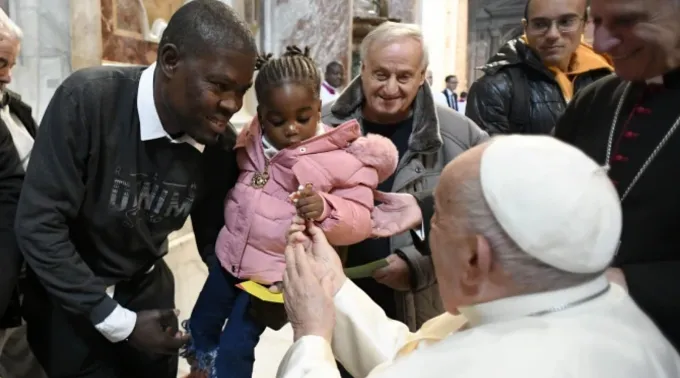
150	126
655	80
525	305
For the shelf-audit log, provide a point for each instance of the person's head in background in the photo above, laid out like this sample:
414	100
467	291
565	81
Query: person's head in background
641	36
487	244
429	77
451	83
554	29
206	59
335	74
10	43
394	59
463	96
287	90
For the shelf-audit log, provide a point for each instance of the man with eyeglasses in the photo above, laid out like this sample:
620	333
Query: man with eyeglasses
527	85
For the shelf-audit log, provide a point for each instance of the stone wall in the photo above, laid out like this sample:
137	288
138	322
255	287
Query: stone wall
45	56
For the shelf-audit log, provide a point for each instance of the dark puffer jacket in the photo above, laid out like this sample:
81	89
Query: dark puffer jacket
490	99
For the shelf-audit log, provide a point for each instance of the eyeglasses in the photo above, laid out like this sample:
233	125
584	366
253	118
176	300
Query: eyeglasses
566	24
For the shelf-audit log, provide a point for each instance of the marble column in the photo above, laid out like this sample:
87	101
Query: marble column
45	57
461	46
444	25
86	31
323	25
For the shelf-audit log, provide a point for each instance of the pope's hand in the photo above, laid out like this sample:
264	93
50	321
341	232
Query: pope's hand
398	212
308	300
323	257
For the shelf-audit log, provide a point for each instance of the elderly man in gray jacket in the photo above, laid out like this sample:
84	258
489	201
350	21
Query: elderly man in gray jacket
391	98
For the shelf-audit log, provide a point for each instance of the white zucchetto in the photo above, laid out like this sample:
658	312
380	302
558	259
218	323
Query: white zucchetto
556	203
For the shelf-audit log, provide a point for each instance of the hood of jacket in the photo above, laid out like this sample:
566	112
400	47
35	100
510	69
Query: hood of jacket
516	51
425	138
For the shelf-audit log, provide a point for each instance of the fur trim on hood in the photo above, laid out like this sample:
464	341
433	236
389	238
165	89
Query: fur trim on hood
378	152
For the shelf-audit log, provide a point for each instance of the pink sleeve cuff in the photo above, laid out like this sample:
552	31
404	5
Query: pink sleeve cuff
326	209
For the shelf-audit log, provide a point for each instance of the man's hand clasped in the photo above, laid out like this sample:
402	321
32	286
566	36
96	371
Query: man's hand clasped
312	277
396	275
156	332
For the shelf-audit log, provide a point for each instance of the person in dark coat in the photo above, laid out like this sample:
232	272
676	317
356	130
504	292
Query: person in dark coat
629	123
17	134
529	82
117	166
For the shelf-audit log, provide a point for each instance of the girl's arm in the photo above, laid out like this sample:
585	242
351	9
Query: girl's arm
346	219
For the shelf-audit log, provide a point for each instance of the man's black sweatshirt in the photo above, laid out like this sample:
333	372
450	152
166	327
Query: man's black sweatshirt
97	202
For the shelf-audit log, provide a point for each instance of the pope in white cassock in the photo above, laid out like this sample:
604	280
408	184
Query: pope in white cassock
523	229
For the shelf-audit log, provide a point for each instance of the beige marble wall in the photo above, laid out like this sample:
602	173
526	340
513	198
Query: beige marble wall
323	25
406	10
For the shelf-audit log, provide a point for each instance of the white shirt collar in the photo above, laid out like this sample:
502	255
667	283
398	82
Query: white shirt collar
150	125
655	80
525	305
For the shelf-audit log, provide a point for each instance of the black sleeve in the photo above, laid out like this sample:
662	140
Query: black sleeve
51	197
11	178
489	104
426	203
207	217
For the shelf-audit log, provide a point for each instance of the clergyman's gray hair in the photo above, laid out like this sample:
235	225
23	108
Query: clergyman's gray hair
529	273
389	32
8	26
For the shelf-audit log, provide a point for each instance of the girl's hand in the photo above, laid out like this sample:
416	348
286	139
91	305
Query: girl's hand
309	204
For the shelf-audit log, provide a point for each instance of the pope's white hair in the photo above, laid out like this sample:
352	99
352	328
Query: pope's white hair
389	32
529	273
9	27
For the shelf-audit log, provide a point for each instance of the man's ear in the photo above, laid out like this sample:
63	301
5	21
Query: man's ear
169	60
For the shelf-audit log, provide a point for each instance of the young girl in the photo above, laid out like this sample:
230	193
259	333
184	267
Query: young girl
284	148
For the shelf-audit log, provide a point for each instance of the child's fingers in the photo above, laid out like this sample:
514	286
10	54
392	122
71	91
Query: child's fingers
276	288
306	190
309	211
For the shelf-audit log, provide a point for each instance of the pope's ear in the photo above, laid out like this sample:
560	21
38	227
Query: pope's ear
481	259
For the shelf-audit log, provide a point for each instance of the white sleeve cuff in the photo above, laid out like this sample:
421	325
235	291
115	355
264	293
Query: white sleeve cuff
309	357
420	232
118	325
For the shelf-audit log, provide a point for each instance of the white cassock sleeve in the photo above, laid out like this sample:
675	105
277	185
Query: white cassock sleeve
310	357
364	338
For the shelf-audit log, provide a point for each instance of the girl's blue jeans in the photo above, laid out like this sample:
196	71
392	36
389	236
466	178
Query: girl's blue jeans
223	351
